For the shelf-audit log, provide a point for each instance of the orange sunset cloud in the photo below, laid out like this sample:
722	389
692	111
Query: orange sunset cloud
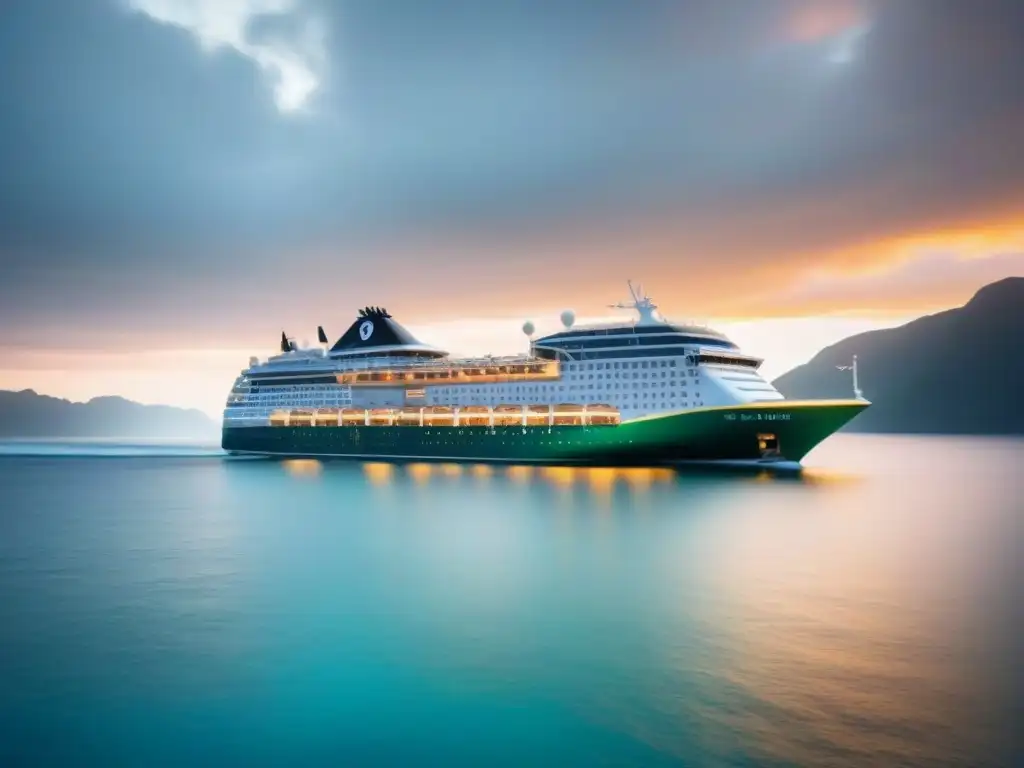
813	20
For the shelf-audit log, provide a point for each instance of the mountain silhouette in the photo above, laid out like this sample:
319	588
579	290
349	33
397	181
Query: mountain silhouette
957	372
28	414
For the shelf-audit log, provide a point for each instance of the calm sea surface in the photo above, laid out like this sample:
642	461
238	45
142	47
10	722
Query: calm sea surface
168	606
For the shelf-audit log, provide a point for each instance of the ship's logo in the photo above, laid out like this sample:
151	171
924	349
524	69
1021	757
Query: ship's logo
366	330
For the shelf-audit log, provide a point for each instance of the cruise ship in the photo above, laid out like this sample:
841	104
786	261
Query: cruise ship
640	393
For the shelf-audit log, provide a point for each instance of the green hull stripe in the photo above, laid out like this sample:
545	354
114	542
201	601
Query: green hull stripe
700	435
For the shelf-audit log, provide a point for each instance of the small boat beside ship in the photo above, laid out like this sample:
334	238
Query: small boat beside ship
648	392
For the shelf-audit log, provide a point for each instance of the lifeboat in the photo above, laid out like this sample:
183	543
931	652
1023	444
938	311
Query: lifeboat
279	419
300	418
602	414
566	414
353	417
382	417
326	417
409	417
508	415
475	416
438	416
538	415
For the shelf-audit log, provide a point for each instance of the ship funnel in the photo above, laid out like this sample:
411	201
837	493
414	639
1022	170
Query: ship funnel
321	335
285	344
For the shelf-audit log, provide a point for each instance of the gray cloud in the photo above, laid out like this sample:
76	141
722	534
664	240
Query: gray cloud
140	168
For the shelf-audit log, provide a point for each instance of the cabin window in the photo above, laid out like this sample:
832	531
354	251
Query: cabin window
728	360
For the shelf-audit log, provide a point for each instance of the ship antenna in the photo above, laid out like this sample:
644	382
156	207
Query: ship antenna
857	393
642	304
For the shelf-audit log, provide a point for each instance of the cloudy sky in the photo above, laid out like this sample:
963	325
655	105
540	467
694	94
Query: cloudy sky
180	180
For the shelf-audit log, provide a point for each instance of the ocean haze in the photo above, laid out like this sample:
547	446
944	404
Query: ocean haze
893	363
165	610
28	414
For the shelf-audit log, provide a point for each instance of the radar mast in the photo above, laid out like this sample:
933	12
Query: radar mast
643	304
858	394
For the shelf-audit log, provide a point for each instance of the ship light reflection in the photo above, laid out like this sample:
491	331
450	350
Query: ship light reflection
519	473
378	473
821	476
482	471
563	477
302	467
601	480
641	478
419	472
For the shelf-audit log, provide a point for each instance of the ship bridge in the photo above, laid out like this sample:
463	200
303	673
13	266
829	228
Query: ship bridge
627	341
650	336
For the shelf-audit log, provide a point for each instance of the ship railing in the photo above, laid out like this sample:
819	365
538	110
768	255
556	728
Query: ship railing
461	372
445	362
535	415
300	418
626	326
384	362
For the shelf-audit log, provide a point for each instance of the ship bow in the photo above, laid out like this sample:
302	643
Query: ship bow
778	430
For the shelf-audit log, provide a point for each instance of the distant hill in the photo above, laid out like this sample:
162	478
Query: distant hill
27	414
959	371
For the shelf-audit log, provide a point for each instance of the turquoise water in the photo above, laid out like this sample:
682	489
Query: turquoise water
169	606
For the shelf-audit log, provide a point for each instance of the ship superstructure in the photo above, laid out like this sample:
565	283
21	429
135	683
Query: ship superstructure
587	379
